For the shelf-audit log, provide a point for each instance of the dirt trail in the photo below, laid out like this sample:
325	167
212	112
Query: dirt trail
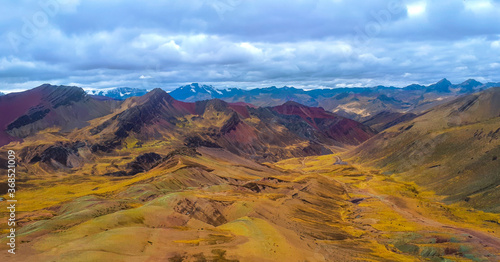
487	244
486	240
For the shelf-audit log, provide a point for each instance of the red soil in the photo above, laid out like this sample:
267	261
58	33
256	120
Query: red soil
13	106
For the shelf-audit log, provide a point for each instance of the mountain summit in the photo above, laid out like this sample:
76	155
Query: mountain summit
64	107
443	86
202	92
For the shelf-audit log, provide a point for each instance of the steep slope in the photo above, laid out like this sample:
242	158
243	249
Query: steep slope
264	134
340	129
261	134
136	114
452	149
386	119
46	106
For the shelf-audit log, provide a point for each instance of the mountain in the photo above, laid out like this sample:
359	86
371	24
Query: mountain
414	87
359	104
257	133
158	179
108	126
386	119
343	130
61	107
443	86
120	93
487	85
2	94
469	86
452	149
196	92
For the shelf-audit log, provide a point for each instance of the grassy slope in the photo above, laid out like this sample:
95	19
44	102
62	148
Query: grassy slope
406	219
218	206
453	150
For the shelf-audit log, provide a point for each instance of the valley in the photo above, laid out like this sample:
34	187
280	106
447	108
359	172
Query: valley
217	206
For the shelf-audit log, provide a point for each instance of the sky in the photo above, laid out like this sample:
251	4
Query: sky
247	43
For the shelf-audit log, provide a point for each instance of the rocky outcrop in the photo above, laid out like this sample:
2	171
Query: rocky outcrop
61	155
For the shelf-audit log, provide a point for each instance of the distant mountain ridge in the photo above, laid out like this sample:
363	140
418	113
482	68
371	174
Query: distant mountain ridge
202	92
358	103
120	93
196	92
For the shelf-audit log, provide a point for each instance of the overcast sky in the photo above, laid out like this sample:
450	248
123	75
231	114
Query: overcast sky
247	43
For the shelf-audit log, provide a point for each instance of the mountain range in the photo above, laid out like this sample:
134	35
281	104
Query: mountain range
240	128
120	93
154	178
356	103
361	104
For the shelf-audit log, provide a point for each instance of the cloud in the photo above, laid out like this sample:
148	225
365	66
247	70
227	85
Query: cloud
317	43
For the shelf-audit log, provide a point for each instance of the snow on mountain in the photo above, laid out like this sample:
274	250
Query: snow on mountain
120	93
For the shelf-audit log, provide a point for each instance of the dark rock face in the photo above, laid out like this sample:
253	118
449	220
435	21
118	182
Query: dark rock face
196	141
470	102
148	161
98	129
230	124
217	104
316	149
63	95
58	153
143	163
156	105
117	174
106	147
28	119
183	151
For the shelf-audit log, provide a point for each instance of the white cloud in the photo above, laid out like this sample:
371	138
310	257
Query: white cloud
306	43
479	5
416	9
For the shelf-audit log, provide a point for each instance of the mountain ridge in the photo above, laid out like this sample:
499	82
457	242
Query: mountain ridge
262	133
452	149
355	103
119	93
66	107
